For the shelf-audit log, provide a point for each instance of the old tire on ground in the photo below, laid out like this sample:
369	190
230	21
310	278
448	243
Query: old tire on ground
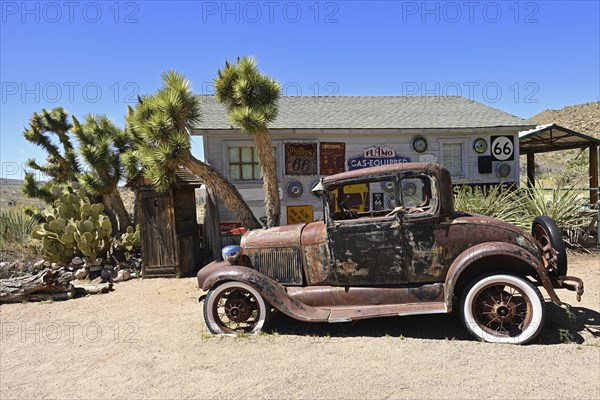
502	308
547	234
235	307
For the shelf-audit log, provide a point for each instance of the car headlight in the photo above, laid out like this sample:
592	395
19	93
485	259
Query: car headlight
231	253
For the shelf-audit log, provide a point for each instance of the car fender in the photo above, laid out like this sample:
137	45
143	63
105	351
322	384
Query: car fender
217	272
490	249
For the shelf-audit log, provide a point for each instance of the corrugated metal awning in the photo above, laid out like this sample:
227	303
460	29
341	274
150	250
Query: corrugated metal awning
552	137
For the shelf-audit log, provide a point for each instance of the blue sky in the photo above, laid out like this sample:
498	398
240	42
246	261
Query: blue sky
96	56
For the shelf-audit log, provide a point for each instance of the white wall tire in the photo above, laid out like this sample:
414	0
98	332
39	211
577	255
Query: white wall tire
235	307
503	308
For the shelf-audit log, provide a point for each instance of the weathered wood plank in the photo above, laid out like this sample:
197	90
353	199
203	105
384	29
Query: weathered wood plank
47	281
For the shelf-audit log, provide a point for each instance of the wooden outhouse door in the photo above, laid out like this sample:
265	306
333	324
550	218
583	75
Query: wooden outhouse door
159	253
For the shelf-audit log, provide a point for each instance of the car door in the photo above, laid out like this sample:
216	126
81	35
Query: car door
422	228
367	245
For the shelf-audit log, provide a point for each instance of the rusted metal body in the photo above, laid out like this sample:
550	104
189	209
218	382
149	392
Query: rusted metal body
407	260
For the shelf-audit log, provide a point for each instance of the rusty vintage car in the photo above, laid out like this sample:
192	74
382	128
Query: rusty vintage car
391	244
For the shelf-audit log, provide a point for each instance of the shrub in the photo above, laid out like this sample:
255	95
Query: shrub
563	206
522	205
15	227
493	203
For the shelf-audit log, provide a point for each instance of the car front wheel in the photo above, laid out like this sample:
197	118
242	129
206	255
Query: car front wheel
235	307
503	308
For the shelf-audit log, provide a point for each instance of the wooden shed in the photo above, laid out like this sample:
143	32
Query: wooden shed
168	226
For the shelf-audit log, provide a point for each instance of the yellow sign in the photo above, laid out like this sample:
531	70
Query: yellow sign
299	214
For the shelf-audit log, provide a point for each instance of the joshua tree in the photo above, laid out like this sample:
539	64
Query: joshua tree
100	142
160	126
100	145
61	167
251	99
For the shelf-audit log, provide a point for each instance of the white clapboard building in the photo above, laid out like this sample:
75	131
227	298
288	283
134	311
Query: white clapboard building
318	136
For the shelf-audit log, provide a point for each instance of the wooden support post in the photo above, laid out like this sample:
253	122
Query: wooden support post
593	174
212	224
530	170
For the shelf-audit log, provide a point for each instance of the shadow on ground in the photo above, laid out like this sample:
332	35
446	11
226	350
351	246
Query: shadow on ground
561	326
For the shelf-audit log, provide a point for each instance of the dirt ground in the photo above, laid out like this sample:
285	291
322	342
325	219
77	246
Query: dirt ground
147	340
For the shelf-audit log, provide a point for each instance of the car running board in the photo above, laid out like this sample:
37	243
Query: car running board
347	314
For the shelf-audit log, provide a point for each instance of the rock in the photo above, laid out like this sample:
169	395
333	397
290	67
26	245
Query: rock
95	268
3	264
77	262
126	274
105	274
55	266
37	267
80	274
39	264
93	274
98	261
47	264
97	280
108	266
122	275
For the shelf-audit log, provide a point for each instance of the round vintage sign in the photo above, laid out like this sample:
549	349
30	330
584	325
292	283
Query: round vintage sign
502	148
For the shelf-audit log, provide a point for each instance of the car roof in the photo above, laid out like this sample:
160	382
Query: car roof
436	169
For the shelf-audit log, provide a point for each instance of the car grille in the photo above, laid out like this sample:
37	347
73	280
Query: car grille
282	265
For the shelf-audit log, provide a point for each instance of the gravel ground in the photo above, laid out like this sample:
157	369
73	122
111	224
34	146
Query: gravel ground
147	339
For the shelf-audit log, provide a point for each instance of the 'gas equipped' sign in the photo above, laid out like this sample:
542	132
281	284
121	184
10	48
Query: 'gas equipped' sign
375	156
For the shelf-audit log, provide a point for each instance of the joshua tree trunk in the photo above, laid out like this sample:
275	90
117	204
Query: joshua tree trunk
115	210
262	139
224	190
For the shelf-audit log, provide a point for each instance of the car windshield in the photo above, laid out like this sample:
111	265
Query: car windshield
378	197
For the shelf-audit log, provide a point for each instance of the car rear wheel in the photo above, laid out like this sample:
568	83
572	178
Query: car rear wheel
503	308
547	234
235	307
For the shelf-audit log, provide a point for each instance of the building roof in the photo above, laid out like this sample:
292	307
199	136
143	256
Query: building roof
552	137
371	112
183	177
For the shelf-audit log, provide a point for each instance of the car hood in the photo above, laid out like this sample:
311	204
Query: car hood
280	236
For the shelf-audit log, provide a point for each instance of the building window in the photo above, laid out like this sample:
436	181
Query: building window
452	157
244	164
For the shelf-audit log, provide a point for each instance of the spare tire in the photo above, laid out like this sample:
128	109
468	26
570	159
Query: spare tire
547	234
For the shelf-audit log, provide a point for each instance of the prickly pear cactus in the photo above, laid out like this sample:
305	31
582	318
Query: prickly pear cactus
74	227
130	240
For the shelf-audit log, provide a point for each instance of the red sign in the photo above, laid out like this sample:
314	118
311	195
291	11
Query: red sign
230	227
379	151
333	158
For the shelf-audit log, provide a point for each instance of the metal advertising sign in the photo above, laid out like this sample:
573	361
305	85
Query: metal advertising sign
503	148
333	157
377	201
300	158
375	156
299	214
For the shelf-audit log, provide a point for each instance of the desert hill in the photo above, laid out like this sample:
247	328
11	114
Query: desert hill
584	118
